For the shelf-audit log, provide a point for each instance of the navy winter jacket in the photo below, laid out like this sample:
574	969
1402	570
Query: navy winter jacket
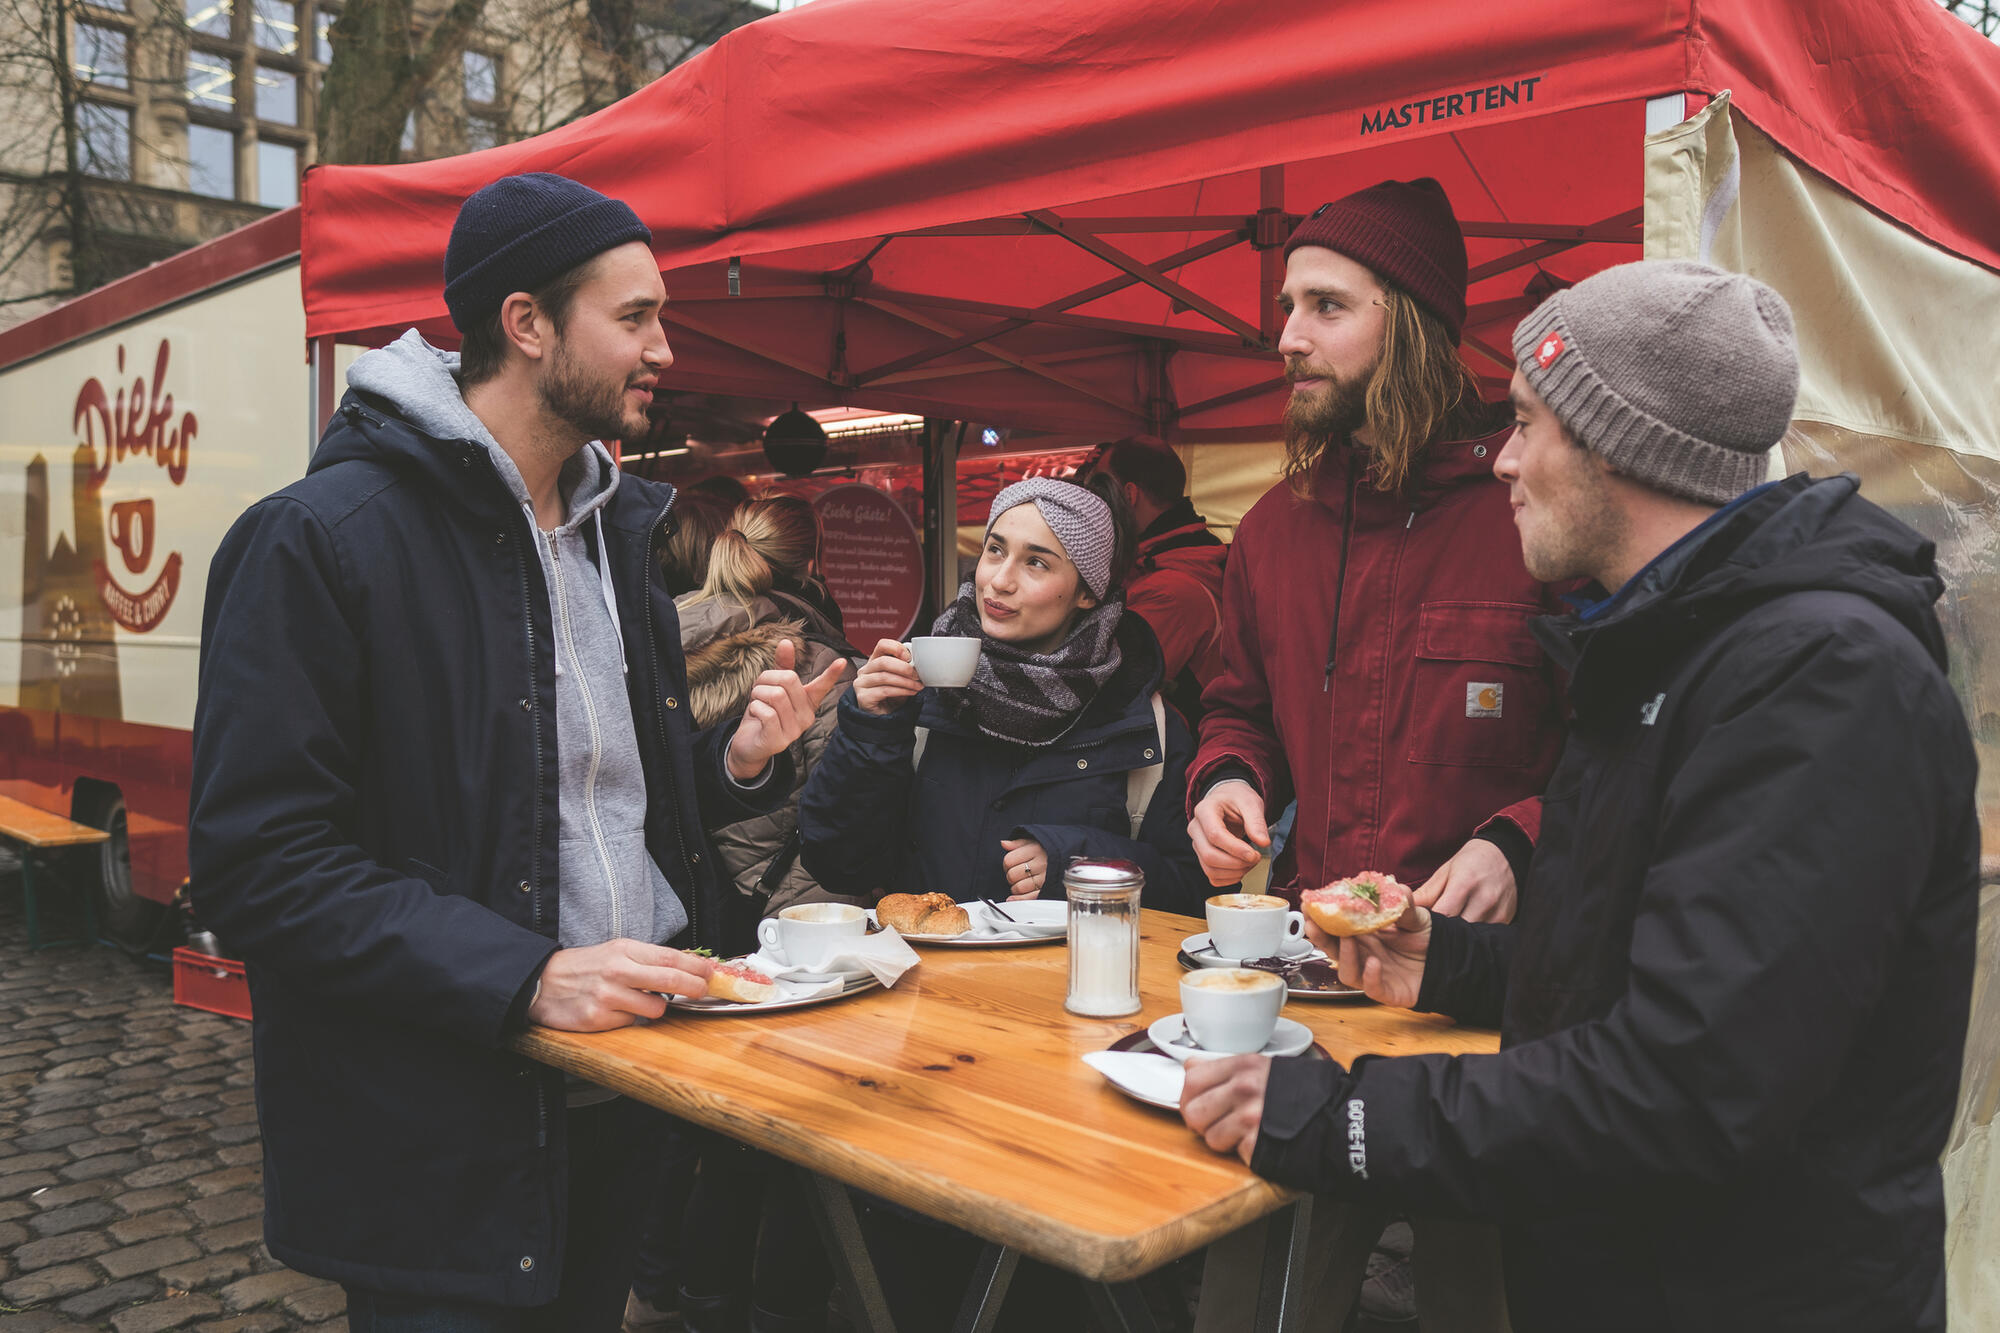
374	831
872	824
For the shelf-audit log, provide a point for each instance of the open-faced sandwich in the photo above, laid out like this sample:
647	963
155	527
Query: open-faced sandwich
923	914
740	982
1360	905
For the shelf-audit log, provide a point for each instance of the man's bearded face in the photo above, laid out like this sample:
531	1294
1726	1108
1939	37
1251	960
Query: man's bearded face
1325	407
593	398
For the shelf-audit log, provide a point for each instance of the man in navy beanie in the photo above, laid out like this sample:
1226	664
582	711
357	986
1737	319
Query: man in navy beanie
445	787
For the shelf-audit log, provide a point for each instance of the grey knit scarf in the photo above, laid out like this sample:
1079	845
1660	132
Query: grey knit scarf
1032	698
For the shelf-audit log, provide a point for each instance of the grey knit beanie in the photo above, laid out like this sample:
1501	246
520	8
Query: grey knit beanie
1680	374
1079	518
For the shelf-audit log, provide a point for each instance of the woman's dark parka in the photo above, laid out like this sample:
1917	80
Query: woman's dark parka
873	823
1734	1005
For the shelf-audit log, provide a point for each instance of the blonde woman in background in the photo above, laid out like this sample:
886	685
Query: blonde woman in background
747	1255
730	630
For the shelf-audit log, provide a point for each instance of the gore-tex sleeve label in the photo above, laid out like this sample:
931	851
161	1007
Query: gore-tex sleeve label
1357	1138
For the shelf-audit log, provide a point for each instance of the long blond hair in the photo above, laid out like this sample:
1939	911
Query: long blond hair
771	537
1420	392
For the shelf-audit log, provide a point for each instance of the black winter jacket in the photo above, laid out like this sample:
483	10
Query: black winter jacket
374	831
871	824
1734	1005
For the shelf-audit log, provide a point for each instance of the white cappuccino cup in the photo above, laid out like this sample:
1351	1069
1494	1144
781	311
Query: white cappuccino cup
1231	1010
1252	925
945	661
811	933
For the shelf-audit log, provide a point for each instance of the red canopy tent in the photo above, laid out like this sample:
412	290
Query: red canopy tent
1067	218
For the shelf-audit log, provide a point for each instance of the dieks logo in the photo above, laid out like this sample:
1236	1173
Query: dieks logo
135	422
1549	349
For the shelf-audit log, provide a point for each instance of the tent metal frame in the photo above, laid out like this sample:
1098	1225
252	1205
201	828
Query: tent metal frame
1265	231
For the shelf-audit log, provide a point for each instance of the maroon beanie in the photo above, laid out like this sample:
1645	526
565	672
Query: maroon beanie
1407	233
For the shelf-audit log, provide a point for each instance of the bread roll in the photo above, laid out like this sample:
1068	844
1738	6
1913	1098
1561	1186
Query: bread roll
741	984
922	914
1361	905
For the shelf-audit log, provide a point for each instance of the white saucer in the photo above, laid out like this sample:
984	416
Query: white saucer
1295	947
1288	1038
1147	1078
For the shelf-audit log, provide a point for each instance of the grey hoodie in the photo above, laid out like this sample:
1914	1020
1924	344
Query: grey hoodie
608	885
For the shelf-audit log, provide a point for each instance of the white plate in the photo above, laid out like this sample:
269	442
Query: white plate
1049	921
1152	1079
1295	947
1288	1038
791	995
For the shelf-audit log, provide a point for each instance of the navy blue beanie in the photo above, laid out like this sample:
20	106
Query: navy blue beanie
519	232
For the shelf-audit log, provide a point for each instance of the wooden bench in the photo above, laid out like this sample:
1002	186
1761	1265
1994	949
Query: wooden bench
34	831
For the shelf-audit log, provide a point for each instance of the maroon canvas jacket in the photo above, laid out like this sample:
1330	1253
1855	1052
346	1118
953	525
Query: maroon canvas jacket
1431	710
1177	588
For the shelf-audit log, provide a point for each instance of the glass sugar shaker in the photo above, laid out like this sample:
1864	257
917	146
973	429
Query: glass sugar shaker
1103	937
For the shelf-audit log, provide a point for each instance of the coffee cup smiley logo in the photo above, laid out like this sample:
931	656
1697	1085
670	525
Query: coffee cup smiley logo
137	422
132	532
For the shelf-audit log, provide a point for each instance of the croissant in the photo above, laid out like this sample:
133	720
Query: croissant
922	914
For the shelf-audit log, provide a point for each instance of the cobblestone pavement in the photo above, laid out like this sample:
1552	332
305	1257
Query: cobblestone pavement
131	1191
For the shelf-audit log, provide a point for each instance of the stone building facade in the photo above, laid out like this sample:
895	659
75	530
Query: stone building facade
189	118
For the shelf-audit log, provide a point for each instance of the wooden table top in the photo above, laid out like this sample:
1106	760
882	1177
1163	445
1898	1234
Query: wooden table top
38	828
961	1093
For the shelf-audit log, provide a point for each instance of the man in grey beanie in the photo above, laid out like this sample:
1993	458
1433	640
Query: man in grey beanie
445	787
1733	1005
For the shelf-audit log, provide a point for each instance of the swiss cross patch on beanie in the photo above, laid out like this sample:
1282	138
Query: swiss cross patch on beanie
519	232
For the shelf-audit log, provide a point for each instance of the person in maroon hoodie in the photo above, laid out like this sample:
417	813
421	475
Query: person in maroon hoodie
1378	667
1377	662
1175	583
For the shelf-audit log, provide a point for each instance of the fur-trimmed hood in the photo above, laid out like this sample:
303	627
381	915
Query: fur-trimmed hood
721	671
730	643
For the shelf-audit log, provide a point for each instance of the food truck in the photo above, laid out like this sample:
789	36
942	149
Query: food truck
136	423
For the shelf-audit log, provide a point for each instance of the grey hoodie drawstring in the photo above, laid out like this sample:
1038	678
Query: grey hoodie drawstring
603	581
610	597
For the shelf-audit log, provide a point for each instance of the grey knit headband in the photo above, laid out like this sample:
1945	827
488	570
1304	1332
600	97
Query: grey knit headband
1080	520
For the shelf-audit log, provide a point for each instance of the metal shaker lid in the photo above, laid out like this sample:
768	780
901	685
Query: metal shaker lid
1102	873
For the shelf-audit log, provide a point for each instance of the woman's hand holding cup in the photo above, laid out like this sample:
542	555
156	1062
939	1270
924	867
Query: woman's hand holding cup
886	679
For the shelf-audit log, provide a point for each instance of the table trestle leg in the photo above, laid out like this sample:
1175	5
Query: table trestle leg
847	1251
987	1290
1121	1307
1281	1295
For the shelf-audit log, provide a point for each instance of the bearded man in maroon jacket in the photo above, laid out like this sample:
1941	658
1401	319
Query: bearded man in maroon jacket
1377	662
1378	667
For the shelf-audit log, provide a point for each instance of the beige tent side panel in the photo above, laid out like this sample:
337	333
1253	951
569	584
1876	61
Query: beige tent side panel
1898	345
1897	338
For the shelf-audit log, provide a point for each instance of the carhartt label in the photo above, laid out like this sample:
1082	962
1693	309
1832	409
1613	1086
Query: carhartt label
1357	1138
1649	712
1483	699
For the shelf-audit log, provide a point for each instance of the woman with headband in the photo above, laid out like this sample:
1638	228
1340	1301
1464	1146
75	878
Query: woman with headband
1029	764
